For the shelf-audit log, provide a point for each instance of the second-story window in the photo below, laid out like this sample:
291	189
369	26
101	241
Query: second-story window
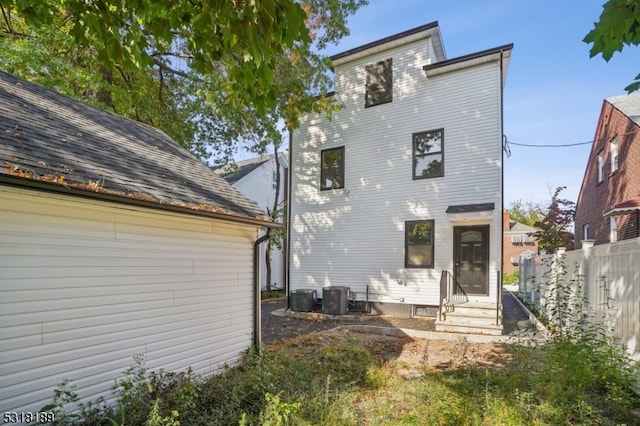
428	154
600	166
332	168
379	84
614	154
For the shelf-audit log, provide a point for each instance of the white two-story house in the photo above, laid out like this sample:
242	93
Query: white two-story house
399	196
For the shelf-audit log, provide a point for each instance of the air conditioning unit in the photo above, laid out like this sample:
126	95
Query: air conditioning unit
303	300
335	300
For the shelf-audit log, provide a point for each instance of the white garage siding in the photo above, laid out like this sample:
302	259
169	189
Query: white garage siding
355	237
86	285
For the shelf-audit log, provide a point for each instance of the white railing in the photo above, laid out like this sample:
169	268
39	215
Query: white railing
606	277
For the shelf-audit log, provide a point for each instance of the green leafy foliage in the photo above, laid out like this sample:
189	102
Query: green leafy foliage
554	227
132	34
527	213
618	26
510	278
215	76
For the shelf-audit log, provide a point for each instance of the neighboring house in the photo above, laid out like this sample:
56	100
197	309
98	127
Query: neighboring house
517	241
402	190
115	242
257	179
608	207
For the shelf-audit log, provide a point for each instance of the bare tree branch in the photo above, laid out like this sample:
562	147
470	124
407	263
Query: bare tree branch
167	68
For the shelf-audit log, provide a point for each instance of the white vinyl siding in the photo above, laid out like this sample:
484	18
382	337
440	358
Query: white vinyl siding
355	236
86	285
258	186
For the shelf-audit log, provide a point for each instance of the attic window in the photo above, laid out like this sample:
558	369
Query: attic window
614	154
379	85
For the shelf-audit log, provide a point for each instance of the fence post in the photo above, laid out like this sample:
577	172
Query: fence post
540	282
587	246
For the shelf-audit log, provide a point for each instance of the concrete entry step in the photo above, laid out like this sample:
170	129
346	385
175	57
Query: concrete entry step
471	317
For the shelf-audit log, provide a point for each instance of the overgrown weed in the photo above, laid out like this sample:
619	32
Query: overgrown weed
581	377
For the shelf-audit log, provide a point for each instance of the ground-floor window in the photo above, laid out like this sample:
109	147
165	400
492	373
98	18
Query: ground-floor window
418	244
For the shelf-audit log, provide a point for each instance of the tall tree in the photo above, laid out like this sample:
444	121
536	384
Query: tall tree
213	75
617	27
554	227
136	34
527	213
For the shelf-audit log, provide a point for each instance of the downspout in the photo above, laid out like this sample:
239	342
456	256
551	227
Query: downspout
288	231
257	307
500	271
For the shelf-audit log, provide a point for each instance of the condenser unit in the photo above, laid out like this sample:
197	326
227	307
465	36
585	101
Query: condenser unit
335	300
303	300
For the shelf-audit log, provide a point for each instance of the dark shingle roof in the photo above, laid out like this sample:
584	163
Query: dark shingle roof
65	144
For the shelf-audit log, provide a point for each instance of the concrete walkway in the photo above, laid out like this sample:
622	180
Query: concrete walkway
520	325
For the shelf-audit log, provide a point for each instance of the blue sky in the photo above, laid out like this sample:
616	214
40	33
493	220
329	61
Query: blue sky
554	91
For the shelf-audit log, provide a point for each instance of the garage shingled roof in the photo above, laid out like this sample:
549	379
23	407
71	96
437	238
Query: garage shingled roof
66	145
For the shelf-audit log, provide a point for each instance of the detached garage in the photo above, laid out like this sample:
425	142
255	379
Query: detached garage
114	242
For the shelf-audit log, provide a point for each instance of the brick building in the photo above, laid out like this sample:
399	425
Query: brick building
516	242
608	207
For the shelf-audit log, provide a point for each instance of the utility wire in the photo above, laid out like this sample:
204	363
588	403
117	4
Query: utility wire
506	143
548	146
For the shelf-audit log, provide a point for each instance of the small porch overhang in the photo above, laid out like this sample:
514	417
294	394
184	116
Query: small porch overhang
471	214
627	206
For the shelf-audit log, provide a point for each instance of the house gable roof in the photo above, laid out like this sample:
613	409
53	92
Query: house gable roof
517	227
629	105
500	53
60	144
424	31
233	173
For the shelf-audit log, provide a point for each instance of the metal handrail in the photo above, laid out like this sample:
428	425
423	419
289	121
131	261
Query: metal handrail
443	291
498	297
451	293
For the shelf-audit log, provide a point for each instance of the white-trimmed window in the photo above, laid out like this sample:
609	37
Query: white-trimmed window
614	154
613	229
600	166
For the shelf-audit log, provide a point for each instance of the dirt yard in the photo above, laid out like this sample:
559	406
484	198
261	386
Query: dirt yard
411	355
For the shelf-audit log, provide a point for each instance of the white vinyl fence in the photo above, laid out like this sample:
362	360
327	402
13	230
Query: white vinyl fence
606	277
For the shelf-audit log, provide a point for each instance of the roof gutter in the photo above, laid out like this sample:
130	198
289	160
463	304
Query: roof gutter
82	193
257	307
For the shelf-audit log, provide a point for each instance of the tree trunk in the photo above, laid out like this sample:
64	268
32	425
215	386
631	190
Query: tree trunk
267	257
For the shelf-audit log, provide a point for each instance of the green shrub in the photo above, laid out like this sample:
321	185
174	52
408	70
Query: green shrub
510	278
